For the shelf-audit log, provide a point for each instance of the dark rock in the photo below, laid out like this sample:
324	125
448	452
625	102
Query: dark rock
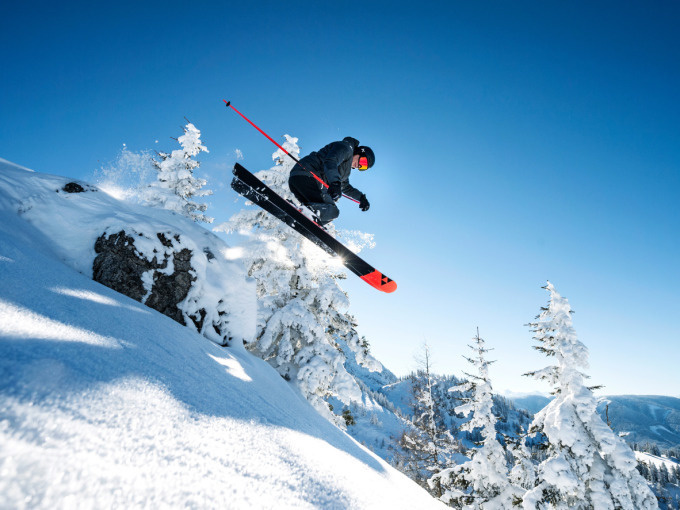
73	187
164	240
198	321
119	266
170	290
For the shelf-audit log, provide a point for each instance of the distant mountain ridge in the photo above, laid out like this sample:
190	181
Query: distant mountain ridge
644	418
531	403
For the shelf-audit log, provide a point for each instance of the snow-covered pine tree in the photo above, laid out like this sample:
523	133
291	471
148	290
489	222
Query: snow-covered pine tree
176	184
523	472
587	465
482	482
301	307
343	326
643	469
664	477
427	445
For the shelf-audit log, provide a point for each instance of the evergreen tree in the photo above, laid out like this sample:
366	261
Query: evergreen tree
663	475
302	310
674	453
176	184
525	458
662	495
643	469
482	482
587	465
427	446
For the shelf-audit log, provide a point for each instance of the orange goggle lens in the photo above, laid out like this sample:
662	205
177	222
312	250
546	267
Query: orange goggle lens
363	163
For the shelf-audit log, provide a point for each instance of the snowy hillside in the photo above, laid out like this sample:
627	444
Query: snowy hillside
85	228
645	418
105	402
657	460
663	474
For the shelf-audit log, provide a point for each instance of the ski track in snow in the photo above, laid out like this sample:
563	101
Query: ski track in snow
106	403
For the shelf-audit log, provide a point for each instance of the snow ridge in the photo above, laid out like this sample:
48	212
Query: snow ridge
107	403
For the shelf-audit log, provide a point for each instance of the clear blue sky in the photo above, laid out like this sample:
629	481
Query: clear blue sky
515	142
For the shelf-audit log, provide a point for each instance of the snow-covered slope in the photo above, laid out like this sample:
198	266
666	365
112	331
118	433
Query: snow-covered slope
71	223
107	403
656	460
644	418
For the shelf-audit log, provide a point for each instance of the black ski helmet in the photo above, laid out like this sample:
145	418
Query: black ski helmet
363	150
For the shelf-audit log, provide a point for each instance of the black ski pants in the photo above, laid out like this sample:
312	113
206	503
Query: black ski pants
314	195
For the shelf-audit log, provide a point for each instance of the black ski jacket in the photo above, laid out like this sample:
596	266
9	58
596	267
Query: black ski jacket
333	163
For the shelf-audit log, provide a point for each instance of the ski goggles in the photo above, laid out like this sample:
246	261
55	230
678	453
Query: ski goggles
363	163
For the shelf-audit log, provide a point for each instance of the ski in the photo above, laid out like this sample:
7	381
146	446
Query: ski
246	184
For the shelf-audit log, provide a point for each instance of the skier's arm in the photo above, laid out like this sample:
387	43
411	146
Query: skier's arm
350	190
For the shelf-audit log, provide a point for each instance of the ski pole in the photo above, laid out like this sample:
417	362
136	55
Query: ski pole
229	105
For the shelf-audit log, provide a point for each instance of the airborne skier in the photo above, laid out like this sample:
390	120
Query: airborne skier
334	162
319	179
254	189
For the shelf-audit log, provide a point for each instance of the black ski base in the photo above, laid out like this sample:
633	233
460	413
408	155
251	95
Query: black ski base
249	186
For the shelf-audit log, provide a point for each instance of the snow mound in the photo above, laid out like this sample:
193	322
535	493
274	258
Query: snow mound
71	223
107	403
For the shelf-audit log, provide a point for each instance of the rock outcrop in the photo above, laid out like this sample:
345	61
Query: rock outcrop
161	283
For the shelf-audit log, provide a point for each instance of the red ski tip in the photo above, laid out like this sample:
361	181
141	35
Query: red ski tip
380	281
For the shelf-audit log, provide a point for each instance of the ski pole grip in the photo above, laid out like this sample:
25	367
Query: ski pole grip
227	102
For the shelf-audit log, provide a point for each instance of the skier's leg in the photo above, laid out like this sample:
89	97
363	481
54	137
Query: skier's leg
305	188
310	193
325	212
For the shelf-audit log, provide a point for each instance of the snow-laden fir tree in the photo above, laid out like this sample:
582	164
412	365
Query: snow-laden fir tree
482	482
587	466
302	310
427	446
176	185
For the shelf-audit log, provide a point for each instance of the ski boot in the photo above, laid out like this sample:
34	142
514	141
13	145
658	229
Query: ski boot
309	213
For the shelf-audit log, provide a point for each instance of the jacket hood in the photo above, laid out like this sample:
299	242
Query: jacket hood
353	142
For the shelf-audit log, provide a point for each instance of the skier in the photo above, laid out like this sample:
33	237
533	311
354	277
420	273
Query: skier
332	164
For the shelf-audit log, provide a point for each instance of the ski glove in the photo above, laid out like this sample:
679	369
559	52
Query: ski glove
335	191
363	203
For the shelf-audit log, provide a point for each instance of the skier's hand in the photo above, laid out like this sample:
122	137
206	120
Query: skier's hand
363	203
335	191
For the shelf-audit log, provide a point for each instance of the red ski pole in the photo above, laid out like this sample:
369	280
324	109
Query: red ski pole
229	105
